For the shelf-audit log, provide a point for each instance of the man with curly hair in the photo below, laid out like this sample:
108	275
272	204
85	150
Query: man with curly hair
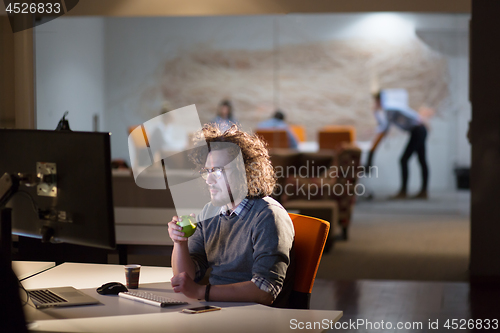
243	235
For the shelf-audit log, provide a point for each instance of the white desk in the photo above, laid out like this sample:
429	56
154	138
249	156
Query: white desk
121	315
308	147
83	276
25	269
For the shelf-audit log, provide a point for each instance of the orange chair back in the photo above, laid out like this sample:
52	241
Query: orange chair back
310	239
139	137
299	131
331	137
275	138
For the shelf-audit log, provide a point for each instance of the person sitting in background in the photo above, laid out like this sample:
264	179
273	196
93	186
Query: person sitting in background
278	121
174	136
166	132
225	118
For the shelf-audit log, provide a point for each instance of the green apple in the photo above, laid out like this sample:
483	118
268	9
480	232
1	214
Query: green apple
188	224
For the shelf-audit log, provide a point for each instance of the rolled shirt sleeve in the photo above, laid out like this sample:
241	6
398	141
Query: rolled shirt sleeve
266	286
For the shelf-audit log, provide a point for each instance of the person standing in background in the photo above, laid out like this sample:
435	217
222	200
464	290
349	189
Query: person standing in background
390	107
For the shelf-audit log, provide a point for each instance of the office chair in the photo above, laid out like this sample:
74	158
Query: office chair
299	131
339	201
139	138
331	137
310	239
275	138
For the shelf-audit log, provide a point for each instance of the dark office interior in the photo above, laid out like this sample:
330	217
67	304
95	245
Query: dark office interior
397	261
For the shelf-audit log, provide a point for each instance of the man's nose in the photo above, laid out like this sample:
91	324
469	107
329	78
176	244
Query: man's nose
210	179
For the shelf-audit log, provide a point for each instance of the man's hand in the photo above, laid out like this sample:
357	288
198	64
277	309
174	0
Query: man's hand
375	144
369	161
175	231
181	260
182	283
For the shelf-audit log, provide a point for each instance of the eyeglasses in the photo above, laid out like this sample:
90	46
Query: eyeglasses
217	172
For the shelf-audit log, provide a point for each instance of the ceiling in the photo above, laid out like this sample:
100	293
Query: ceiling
261	7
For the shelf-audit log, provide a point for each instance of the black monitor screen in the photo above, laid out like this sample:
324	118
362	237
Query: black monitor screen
79	208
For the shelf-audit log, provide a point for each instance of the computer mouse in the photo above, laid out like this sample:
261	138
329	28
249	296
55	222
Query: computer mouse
111	288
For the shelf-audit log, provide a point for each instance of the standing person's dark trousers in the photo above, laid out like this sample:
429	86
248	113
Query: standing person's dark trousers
416	144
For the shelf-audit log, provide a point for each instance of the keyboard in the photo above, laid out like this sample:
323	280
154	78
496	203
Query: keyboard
45	296
149	298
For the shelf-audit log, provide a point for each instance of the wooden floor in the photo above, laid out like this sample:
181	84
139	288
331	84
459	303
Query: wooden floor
407	240
411	303
371	289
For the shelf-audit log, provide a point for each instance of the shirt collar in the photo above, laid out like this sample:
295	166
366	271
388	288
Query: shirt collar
241	210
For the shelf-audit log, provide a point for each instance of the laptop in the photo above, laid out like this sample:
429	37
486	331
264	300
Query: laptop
60	296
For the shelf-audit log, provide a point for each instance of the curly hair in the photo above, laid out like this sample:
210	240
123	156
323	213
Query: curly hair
259	171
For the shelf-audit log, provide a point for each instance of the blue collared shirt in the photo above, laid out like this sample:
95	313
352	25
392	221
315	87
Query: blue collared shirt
241	210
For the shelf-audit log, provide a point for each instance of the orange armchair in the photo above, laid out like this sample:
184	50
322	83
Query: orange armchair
299	131
332	137
275	138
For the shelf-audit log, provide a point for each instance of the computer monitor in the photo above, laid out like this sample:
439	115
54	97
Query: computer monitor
72	200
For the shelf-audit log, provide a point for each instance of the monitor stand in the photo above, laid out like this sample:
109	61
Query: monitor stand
9	185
